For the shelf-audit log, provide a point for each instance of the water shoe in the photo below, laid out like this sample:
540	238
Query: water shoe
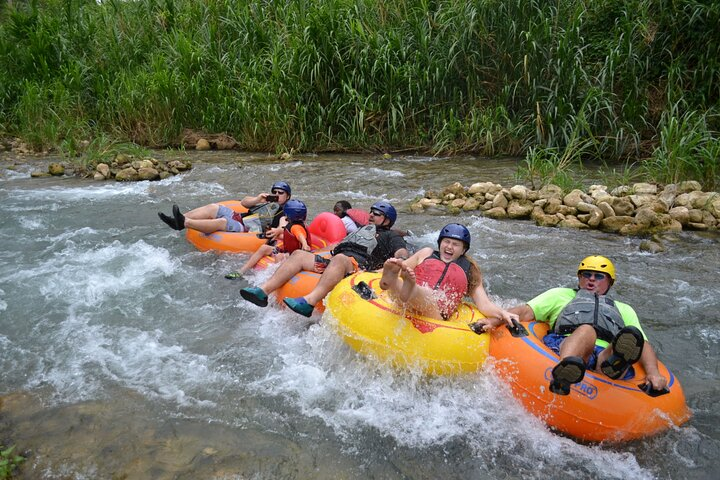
255	295
179	217
570	370
299	305
627	349
170	222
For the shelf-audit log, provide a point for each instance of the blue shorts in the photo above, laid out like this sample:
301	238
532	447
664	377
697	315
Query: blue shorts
232	224
553	341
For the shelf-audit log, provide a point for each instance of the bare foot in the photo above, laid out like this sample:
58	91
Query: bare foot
390	280
408	284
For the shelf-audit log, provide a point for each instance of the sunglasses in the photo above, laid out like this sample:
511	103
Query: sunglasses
596	275
278	192
377	213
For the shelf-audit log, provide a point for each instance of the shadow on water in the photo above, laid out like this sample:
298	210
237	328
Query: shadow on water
126	354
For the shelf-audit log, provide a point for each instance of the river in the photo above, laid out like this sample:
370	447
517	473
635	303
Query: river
125	353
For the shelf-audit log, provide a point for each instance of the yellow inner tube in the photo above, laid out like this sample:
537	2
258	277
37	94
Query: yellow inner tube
379	328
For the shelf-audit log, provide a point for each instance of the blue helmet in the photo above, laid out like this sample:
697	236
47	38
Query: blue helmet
281	186
387	209
456	231
295	211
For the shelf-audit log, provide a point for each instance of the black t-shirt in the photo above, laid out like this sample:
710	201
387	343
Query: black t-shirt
389	242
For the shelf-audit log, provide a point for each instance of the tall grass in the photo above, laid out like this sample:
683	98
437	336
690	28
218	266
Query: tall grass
573	77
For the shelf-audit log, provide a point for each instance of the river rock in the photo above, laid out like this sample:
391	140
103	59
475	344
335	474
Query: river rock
39	174
128	174
519	192
98	176
641	200
567	210
697	226
606	209
458	203
552	205
471	203
576	196
695	215
519	209
708	219
688	186
571	221
699	199
621	191
550	191
644	189
500	201
498	213
138	164
615	223
122	159
651	246
622	206
545	220
714	206
202	145
103	169
56	169
148	173
455	189
681	214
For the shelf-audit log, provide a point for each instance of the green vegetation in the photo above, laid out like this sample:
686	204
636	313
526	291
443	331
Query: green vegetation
9	462
560	81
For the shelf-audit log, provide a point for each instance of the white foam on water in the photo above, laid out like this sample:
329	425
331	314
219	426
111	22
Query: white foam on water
327	380
384	173
116	268
354	195
85	355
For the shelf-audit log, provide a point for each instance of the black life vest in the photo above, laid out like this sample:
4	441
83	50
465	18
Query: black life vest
359	244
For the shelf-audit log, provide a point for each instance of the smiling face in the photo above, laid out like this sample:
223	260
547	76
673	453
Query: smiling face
451	249
595	282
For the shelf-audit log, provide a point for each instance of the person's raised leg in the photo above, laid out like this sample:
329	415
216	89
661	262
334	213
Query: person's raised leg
255	258
390	279
339	266
298	261
205	212
206	225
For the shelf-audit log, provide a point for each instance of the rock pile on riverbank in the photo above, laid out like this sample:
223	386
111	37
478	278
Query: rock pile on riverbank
640	209
125	168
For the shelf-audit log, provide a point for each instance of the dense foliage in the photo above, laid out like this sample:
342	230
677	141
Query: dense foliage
558	81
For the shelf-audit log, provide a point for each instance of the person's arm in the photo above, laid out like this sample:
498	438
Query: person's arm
250	201
649	361
300	233
494	313
276	233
